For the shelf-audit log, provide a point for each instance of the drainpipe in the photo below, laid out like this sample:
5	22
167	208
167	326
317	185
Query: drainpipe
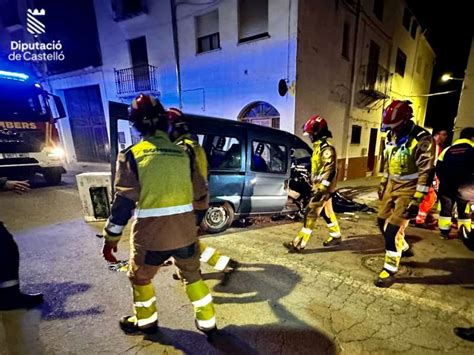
176	51
347	120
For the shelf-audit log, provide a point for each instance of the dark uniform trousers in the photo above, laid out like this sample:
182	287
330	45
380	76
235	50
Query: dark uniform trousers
9	261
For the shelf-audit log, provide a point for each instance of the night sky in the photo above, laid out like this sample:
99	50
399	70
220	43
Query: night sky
74	24
450	29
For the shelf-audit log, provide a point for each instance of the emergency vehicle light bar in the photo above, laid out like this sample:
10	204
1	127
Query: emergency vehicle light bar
13	75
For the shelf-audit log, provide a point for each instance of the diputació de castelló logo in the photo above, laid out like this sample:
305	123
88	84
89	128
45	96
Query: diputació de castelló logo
36	50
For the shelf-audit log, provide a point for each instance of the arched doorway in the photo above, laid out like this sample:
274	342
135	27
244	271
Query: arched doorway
261	113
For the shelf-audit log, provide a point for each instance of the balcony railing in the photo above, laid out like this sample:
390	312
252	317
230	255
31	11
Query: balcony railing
375	81
137	79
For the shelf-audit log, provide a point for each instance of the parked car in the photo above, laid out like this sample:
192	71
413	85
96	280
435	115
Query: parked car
250	168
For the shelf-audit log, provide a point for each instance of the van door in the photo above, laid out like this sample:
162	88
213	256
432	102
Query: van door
267	170
225	149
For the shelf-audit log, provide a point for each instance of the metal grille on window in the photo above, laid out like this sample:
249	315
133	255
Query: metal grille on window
261	113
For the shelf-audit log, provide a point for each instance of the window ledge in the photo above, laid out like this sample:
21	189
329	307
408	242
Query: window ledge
255	38
210	51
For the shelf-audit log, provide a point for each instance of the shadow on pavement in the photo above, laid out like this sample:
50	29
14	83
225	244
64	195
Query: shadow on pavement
248	340
268	283
360	244
455	271
56	296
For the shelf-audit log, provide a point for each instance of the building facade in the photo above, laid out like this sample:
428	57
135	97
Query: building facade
465	116
269	62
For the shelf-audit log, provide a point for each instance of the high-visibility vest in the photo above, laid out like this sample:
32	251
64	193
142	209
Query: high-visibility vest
197	151
164	175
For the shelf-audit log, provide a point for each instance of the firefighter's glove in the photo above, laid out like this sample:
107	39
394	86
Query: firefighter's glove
108	250
111	240
412	209
381	191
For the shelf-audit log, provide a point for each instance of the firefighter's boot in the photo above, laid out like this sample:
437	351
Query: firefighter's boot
129	326
300	241
201	298
334	238
385	279
145	319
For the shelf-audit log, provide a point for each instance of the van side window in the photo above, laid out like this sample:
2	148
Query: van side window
225	153
268	157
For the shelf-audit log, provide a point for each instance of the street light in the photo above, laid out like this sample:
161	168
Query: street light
447	77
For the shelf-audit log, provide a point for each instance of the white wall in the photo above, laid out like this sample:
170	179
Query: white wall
229	79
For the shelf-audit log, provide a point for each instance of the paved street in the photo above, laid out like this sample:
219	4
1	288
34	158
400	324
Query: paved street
320	302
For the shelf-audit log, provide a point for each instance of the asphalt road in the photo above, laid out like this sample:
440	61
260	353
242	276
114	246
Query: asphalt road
320	302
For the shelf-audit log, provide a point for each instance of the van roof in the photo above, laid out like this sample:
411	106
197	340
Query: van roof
241	124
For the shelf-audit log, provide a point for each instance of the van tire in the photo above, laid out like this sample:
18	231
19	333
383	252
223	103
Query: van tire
53	176
218	218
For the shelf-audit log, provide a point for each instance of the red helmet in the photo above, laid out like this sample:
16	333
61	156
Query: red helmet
398	112
145	109
176	120
316	125
175	115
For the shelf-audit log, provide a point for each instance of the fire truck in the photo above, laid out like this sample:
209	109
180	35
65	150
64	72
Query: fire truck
29	140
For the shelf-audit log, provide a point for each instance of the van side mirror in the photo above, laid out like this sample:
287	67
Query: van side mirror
61	112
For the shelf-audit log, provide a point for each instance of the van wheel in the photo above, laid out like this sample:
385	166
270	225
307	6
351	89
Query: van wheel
52	176
218	218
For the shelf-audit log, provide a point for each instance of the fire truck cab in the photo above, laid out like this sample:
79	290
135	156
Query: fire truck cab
29	140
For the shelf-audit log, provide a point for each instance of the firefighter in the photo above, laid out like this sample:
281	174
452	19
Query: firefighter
424	219
154	179
179	134
466	192
454	169
323	177
408	173
10	295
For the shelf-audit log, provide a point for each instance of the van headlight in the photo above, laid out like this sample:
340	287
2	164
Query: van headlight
55	153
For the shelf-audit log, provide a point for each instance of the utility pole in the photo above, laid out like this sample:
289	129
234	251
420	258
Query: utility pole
174	24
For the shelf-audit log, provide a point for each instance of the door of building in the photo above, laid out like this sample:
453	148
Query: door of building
87	121
372	146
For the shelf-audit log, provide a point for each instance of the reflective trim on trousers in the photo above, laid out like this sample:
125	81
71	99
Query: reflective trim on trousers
335	234
207	299
330	225
207	254
9	283
326	183
444	223
207	324
390	267
147	321
222	263
392	254
163	211
405	177
148	303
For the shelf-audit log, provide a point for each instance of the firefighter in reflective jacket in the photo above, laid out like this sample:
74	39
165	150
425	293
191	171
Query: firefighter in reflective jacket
154	179
455	168
409	159
179	134
324	178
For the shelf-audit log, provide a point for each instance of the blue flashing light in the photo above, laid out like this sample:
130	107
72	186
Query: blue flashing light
13	75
